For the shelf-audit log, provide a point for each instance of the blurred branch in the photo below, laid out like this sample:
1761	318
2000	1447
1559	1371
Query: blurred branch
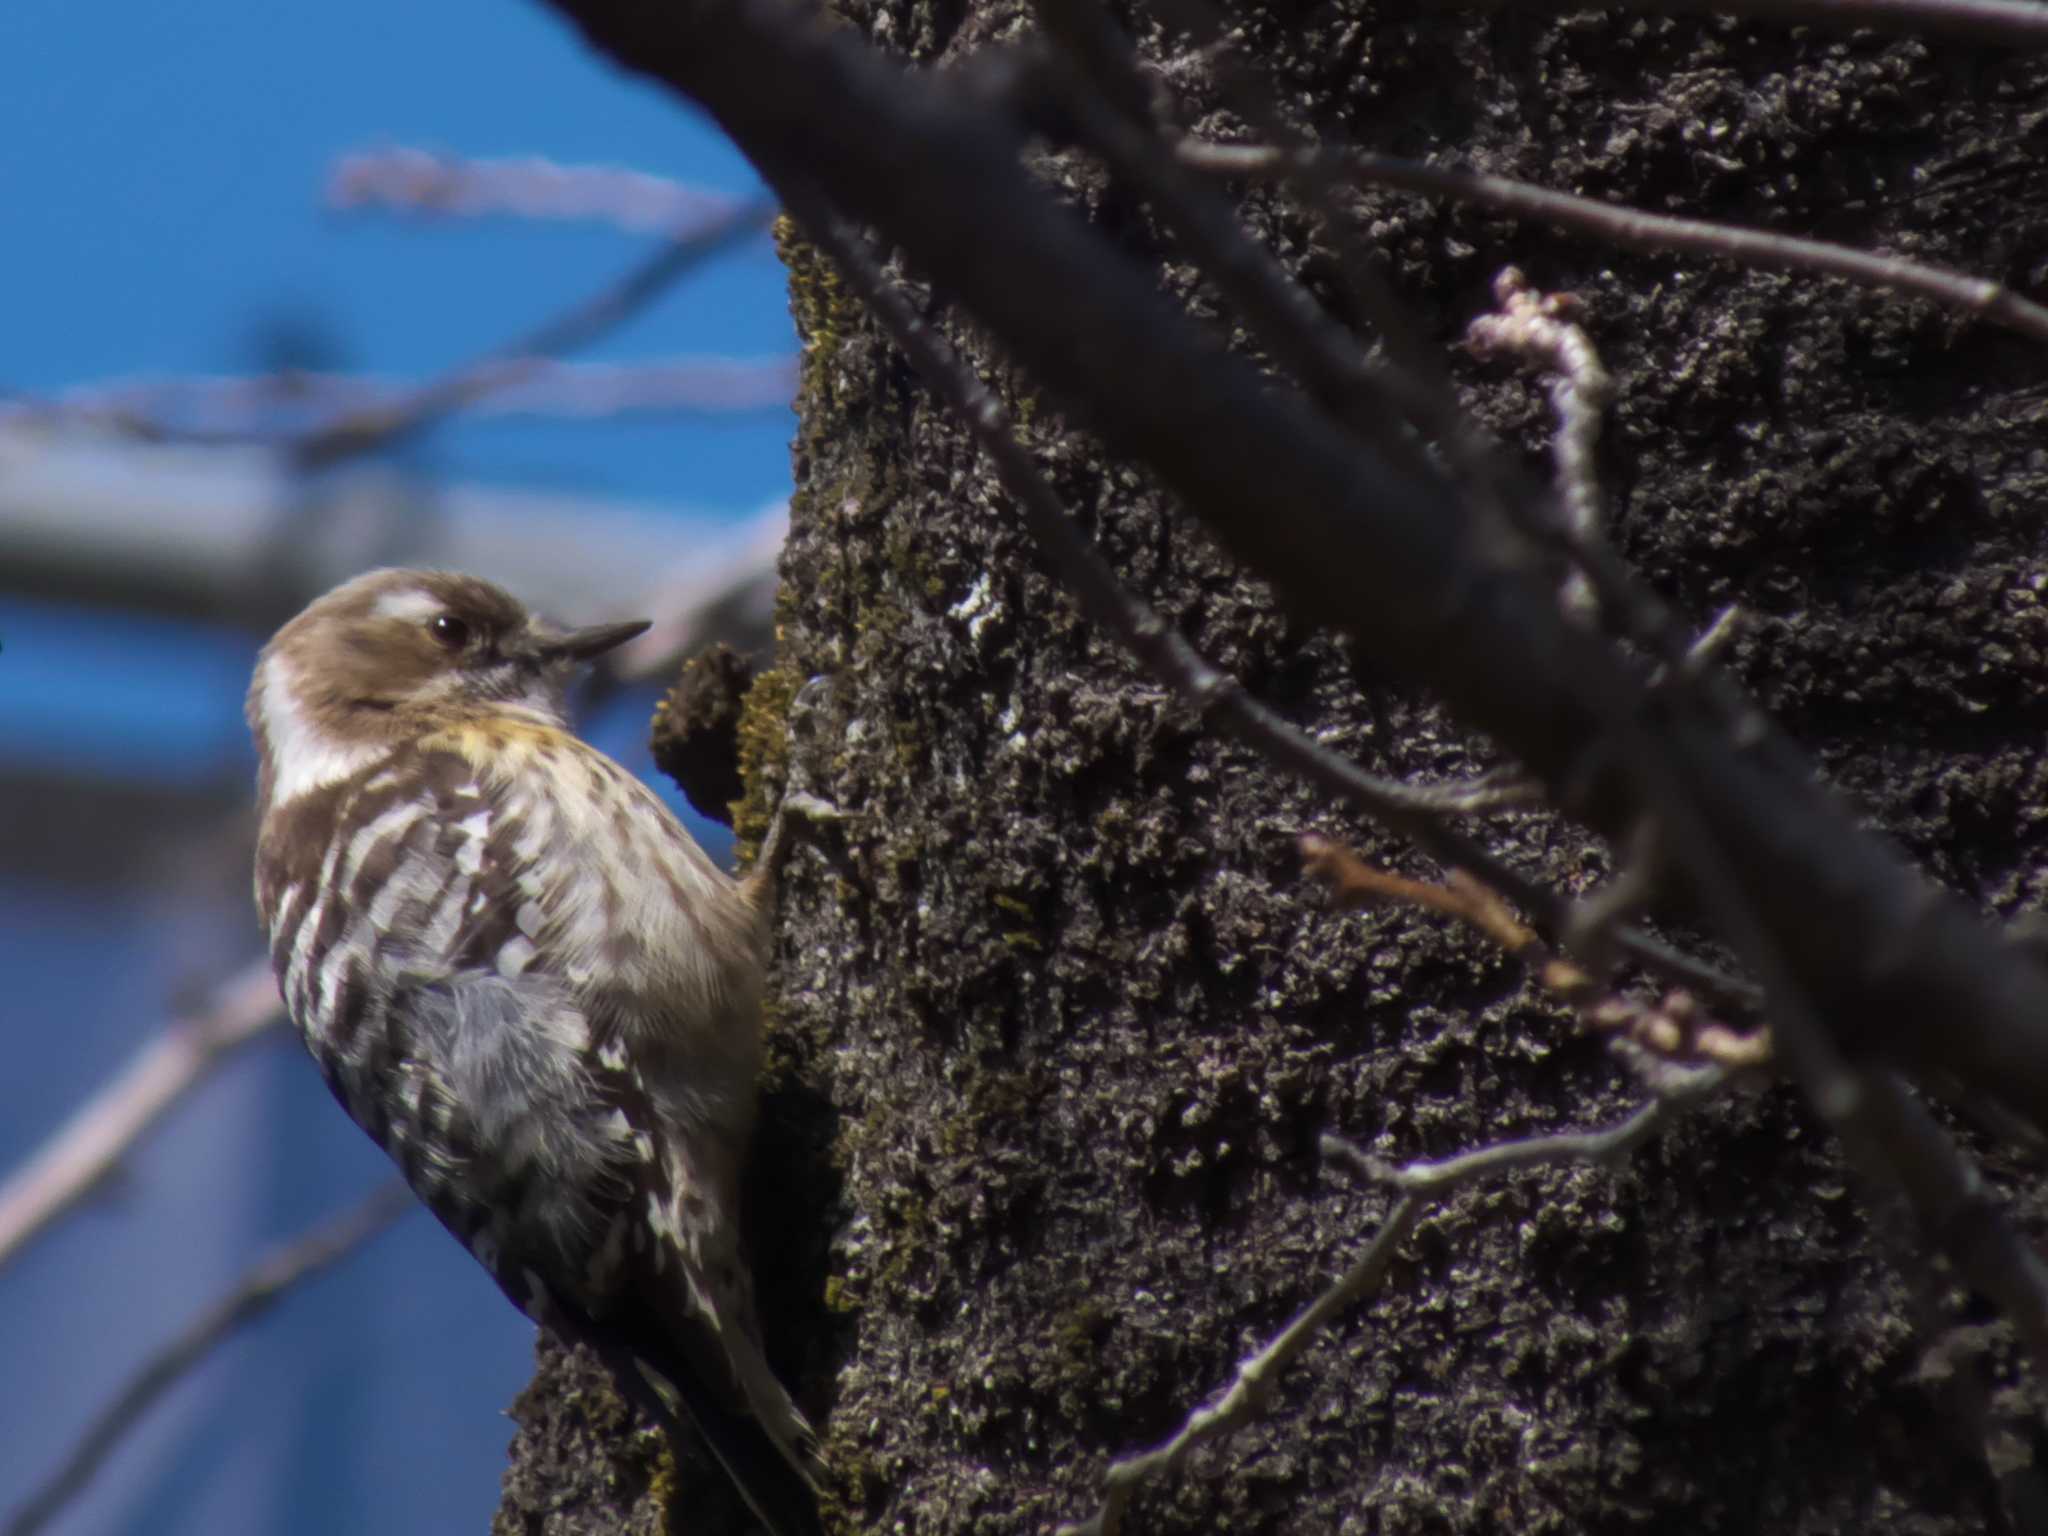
449	186
190	530
2009	23
89	515
1440	586
723	590
258	1290
1885	1130
88	1147
282	404
1633	228
576	327
1099	65
1421	812
1441	574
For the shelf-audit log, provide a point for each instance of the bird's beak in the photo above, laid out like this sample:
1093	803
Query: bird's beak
585	645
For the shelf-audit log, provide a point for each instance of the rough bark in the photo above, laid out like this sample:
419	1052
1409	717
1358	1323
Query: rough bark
1058	1025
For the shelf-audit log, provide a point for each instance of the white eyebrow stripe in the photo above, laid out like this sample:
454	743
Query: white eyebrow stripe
413	604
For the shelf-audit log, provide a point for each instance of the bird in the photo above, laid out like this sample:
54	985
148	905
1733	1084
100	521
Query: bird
523	978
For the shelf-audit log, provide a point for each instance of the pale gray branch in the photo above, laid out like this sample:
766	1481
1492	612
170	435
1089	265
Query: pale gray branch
421	182
88	1146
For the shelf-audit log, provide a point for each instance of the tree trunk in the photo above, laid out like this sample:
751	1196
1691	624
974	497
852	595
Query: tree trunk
1058	1025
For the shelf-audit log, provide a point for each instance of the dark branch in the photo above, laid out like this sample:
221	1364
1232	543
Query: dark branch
1633	228
2007	23
1419	812
1456	598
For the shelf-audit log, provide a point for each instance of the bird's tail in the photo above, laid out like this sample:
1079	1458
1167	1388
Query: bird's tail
778	1483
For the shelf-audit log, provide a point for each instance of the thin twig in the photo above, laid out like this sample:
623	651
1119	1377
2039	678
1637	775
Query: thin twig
1245	1397
2008	23
576	327
88	1146
1414	360
450	186
239	409
1416	813
1438	1179
1714	639
1637	230
1608	908
1884	1129
1422	1186
1398	558
1294	330
1212	692
258	1290
1540	329
1673	1028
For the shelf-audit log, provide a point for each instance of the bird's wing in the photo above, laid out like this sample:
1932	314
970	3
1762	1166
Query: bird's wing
448	1027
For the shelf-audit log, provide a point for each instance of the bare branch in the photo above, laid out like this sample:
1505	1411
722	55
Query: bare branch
2008	23
1294	330
1673	1029
1425	382
1606	1148
234	409
71	1164
1419	812
419	181
1637	230
1446	591
1883	1128
1422	1185
579	326
261	1287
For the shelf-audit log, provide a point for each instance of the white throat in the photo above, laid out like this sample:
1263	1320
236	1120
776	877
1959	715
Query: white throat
303	758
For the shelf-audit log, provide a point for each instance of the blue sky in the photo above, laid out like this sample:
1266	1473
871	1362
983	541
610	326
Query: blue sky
161	168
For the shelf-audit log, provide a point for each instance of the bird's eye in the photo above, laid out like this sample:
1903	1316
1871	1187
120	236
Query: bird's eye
448	631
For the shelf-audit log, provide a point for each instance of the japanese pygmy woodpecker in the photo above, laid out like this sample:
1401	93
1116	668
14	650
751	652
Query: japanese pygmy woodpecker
529	985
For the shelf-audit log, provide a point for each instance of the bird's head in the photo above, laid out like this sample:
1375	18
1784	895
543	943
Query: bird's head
396	654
